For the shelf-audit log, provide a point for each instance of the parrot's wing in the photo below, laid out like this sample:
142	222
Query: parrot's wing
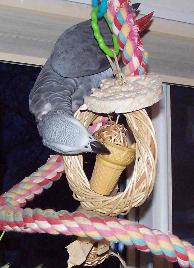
76	53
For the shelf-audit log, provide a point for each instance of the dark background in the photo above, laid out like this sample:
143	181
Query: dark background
21	153
182	134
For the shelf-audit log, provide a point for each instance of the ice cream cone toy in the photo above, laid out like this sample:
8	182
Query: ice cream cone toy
106	173
108	168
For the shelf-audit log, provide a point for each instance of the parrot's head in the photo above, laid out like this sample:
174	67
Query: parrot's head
66	135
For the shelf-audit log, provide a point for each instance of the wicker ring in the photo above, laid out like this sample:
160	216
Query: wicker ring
139	186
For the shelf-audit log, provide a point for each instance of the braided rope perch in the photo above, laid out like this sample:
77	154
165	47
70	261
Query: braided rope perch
14	218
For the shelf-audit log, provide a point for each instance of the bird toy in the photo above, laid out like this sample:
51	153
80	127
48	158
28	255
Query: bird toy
83	74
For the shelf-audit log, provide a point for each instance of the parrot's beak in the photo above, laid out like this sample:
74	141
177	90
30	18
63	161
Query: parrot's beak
98	148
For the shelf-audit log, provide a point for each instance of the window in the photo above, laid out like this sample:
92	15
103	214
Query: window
182	143
32	44
21	154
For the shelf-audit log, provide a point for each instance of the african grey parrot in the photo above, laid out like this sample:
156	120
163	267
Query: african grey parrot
76	65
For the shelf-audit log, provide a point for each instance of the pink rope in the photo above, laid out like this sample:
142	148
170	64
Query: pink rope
111	229
35	183
127	29
14	218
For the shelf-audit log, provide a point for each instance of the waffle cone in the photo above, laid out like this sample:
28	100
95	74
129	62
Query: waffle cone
108	168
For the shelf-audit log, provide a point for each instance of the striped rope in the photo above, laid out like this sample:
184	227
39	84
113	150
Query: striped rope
111	229
14	218
42	179
122	19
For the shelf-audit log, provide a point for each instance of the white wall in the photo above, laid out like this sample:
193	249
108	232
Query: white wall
170	9
177	10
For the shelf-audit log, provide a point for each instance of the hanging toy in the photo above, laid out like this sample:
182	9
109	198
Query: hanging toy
108	168
114	94
95	196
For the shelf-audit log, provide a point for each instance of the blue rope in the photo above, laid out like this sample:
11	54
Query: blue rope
102	7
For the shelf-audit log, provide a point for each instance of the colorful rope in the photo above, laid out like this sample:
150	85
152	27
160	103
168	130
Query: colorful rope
112	229
14	218
42	179
122	18
102	7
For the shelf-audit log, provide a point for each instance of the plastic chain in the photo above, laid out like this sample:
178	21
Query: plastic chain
99	37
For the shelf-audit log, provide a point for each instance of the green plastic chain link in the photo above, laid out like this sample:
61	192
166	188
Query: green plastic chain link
99	37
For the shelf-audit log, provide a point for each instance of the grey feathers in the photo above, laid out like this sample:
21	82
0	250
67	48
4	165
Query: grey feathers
77	53
64	134
51	92
63	129
75	66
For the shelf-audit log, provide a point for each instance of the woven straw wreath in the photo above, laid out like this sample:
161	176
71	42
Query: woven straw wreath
139	186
